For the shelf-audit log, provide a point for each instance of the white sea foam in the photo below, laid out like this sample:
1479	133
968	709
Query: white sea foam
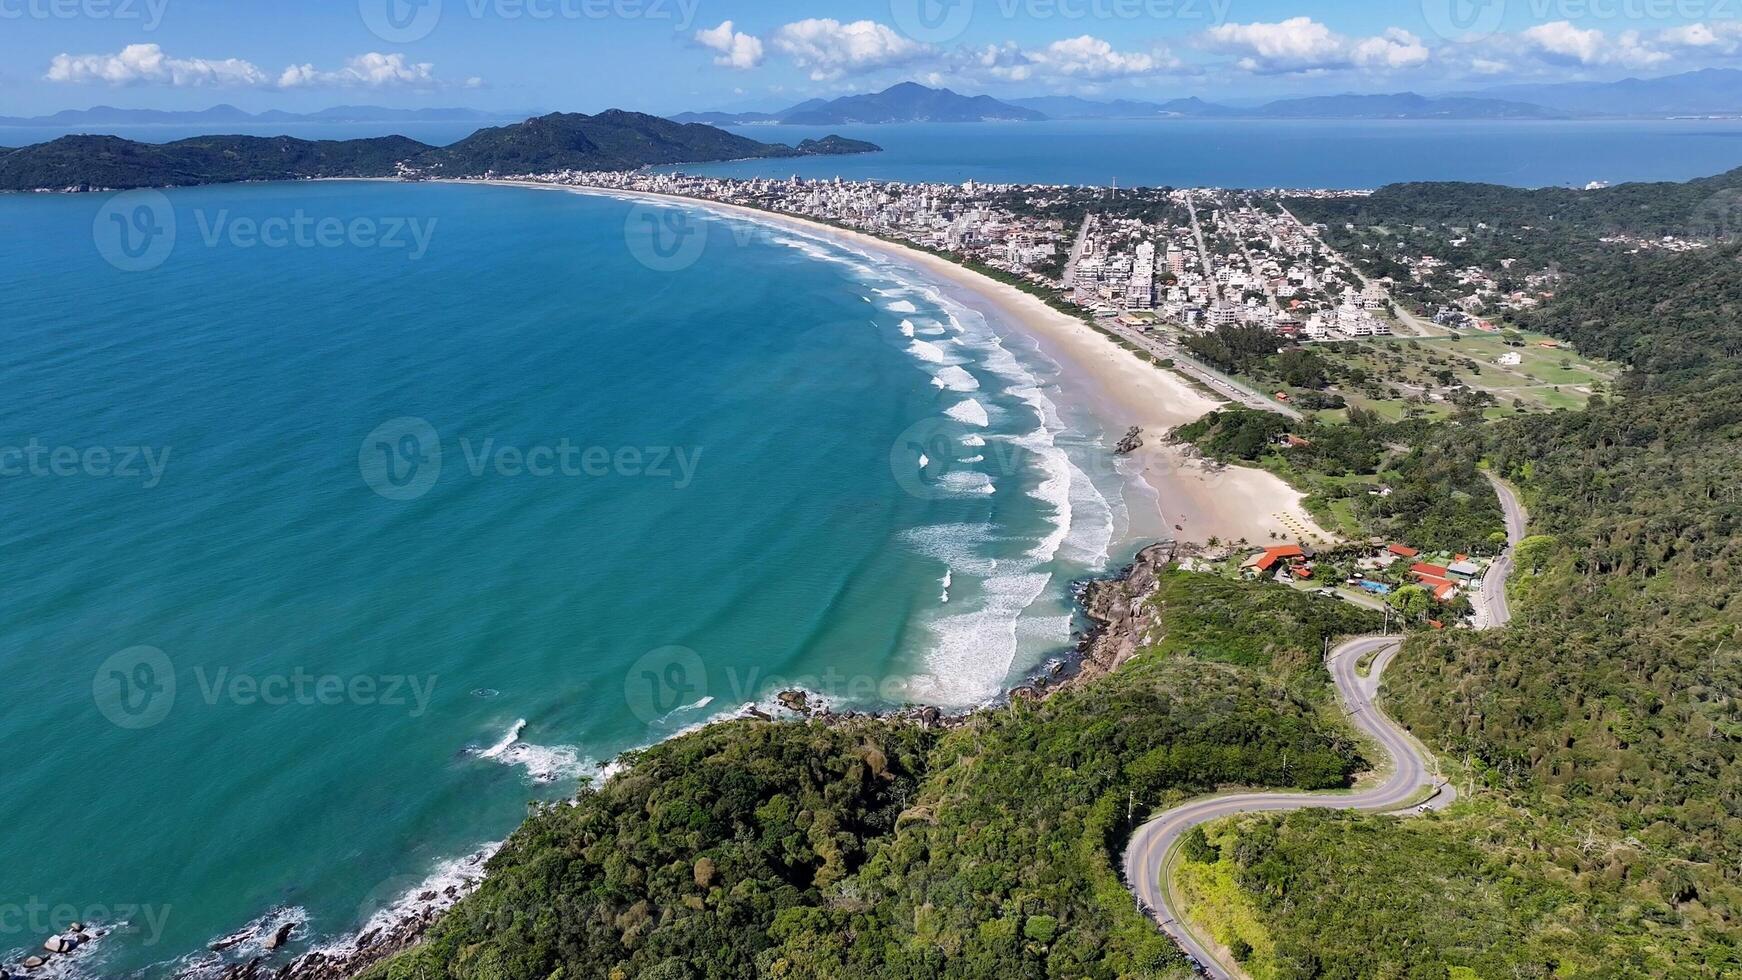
543	763
974	441
907	328
955	378
902	306
957	546
969	412
971	482
949	577
928	352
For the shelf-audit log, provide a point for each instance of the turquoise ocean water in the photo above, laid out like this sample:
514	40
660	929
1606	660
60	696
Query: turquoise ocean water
1352	154
325	555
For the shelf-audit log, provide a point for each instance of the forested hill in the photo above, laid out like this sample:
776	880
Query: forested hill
1643	209
612	140
1476	224
1603	730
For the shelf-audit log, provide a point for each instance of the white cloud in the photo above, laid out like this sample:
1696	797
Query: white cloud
830	49
372	70
1721	37
1082	60
1301	44
1560	42
1396	48
138	64
737	49
146	64
1089	57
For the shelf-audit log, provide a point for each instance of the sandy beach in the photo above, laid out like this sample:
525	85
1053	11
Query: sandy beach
1197	500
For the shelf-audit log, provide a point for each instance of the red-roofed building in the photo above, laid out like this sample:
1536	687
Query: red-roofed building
1446	592
1422	569
1401	551
1267	559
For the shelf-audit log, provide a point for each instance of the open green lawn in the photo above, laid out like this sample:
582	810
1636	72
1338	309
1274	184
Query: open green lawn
1419	369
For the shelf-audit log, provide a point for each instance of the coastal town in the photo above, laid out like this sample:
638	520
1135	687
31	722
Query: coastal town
1214	283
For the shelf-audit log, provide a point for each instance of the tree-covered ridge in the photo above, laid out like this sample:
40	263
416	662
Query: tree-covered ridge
1695	208
877	849
1605	725
612	140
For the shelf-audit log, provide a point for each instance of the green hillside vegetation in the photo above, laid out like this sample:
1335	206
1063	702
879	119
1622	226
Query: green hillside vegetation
878	849
1602	730
612	140
1558	226
1437	501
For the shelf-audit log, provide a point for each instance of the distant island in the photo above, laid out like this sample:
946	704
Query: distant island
907	102
611	140
1713	92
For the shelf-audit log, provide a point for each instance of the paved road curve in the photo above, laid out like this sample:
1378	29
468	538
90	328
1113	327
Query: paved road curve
1409	777
1492	611
1411	770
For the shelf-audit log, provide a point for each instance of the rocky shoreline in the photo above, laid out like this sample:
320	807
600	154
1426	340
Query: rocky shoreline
1120	622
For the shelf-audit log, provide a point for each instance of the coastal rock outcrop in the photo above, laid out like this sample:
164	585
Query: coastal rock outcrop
1120	611
1132	442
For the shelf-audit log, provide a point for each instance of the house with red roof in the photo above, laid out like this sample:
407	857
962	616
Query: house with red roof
1267	560
1422	569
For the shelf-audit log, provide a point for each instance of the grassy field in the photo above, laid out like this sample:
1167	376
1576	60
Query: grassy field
1399	377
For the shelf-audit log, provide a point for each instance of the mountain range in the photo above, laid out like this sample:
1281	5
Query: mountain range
1708	92
611	140
906	102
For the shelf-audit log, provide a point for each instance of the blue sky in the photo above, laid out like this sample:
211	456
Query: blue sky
668	55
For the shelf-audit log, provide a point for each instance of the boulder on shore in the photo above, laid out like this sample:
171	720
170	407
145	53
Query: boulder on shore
280	937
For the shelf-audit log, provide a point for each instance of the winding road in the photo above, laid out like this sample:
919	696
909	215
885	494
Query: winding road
1411	780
